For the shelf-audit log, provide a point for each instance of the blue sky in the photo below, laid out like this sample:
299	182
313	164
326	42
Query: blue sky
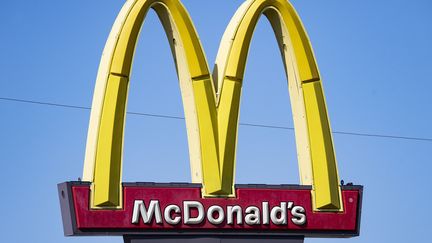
374	58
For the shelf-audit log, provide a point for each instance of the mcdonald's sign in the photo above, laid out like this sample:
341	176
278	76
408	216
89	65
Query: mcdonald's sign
212	204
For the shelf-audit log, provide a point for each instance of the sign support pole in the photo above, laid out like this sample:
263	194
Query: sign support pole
216	239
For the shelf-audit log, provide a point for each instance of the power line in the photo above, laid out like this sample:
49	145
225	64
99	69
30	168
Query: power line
242	124
45	103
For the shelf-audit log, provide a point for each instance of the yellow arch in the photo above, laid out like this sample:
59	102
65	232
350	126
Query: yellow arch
102	164
317	162
211	110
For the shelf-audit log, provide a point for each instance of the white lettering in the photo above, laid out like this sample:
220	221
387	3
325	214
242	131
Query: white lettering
220	218
252	215
187	205
282	219
230	214
147	216
265	213
299	217
167	214
194	213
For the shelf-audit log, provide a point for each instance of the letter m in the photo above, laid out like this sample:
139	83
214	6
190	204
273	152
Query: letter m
147	215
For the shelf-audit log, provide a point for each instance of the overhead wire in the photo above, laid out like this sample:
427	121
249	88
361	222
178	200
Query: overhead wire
424	139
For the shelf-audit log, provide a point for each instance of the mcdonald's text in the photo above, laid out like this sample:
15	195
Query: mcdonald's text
216	215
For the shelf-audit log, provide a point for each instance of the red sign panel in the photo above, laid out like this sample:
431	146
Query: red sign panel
165	208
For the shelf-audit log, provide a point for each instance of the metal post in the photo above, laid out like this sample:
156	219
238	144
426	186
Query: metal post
216	239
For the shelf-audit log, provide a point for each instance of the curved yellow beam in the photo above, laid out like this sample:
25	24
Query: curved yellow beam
316	158
211	111
102	164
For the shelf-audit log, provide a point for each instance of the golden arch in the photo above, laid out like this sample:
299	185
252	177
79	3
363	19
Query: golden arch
211	104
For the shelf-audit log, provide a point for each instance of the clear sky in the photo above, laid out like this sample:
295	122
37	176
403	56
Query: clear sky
374	58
